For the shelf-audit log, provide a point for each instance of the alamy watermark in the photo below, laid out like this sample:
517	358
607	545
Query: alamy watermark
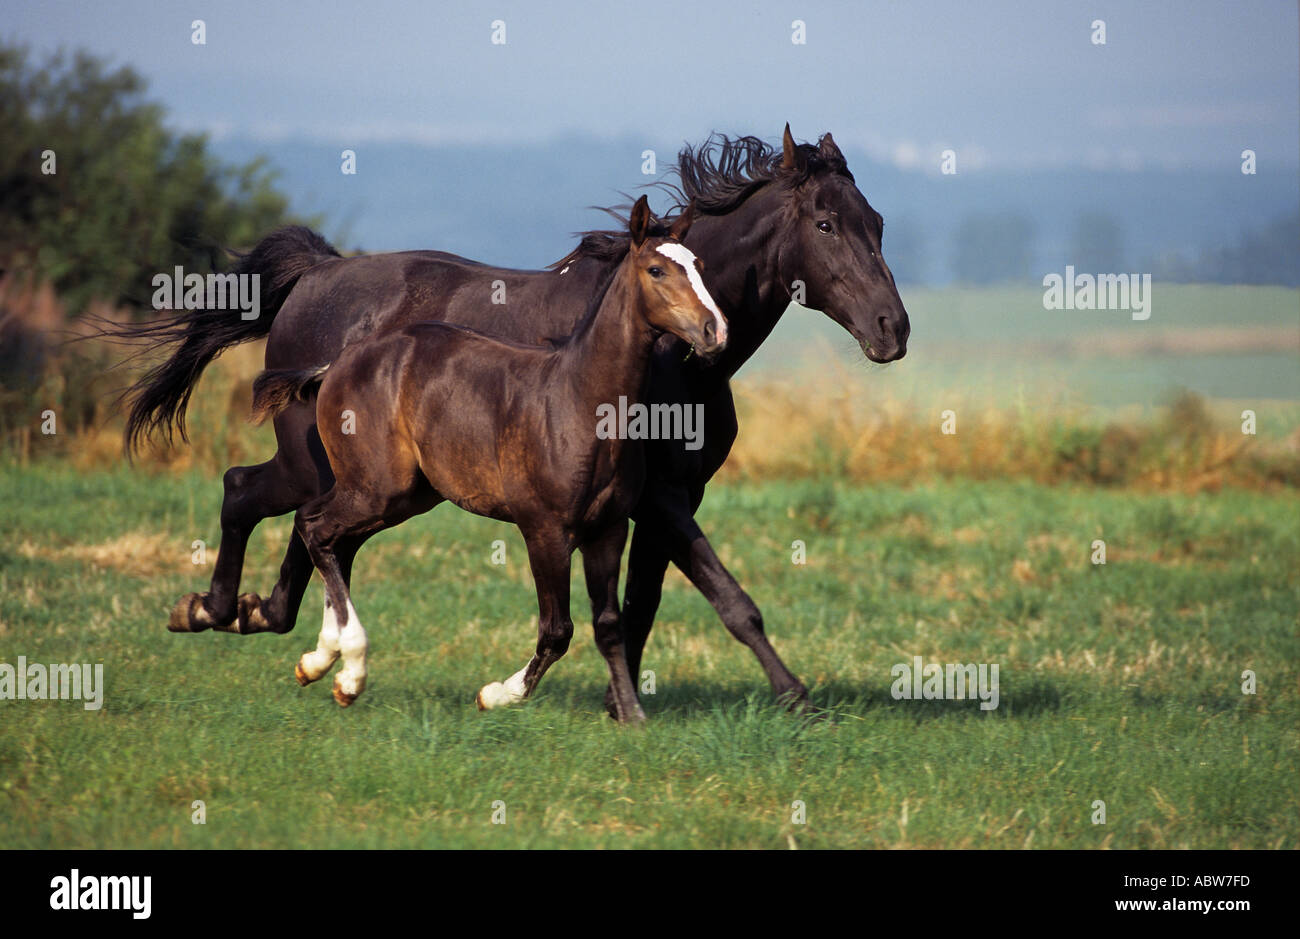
1098	292
639	421
89	892
181	291
37	682
949	682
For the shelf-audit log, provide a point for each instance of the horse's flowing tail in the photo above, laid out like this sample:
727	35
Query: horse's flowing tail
276	388
161	395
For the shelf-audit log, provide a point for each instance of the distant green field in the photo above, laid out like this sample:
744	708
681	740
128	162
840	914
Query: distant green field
1119	683
998	346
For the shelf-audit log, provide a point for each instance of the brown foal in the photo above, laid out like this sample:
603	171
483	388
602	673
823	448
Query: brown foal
435	412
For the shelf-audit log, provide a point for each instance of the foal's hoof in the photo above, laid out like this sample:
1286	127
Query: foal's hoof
299	673
342	697
189	616
635	719
492	696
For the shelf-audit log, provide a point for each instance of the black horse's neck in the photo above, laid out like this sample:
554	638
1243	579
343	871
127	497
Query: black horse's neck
741	255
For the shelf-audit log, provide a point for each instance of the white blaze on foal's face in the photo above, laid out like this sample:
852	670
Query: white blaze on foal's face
681	255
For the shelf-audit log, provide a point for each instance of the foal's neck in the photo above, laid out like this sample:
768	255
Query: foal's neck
609	353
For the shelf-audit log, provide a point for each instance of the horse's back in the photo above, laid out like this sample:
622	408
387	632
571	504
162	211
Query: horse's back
344	300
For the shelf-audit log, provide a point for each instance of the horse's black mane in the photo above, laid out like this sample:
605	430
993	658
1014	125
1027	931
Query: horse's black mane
719	175
723	171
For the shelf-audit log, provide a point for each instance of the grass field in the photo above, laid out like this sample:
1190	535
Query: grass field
1119	683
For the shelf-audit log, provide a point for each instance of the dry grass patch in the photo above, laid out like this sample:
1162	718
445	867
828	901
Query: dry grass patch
137	553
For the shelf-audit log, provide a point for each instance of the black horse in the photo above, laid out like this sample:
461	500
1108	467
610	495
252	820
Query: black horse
502	429
773	224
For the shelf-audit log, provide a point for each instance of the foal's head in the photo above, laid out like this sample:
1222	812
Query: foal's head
667	276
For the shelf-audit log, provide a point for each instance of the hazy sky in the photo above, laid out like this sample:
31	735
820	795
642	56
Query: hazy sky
1005	84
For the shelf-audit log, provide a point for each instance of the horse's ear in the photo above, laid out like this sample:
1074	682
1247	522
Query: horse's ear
682	224
639	222
828	150
790	156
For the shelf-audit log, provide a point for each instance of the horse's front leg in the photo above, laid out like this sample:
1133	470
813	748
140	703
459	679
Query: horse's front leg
671	529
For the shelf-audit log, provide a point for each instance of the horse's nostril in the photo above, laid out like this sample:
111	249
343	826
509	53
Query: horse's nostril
883	323
710	331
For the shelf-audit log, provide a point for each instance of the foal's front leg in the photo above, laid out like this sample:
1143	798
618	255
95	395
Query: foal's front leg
601	558
549	552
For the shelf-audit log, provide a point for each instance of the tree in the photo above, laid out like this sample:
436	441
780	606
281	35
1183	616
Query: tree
1097	244
127	198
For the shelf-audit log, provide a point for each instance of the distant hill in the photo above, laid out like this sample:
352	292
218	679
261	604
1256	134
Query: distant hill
518	205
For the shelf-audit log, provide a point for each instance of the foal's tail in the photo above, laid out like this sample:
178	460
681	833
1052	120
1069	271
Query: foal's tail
199	336
276	388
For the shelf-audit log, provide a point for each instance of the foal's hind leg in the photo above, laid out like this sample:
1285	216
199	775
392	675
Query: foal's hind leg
333	528
601	559
313	665
549	551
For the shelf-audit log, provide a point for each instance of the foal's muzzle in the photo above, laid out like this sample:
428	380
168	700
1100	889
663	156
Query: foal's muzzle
709	343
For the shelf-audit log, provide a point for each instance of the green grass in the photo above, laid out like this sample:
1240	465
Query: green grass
1119	683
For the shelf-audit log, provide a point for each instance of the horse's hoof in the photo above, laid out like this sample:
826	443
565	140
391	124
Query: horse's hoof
188	615
250	618
797	702
300	674
342	697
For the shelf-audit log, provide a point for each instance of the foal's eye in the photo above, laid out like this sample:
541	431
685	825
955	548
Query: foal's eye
825	227
656	272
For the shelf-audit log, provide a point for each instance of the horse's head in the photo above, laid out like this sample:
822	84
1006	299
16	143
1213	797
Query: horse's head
830	244
668	279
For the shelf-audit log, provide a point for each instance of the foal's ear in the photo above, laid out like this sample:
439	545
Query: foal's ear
682	224
639	221
791	158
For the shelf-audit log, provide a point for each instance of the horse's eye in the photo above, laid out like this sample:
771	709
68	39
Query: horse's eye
824	227
656	272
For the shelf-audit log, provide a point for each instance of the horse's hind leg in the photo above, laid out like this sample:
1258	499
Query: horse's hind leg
279	613
252	493
601	559
306	471
549	551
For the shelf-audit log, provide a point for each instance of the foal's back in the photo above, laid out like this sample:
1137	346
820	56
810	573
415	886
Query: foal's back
455	408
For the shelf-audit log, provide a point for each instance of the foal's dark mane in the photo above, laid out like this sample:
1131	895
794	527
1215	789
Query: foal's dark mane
719	175
614	254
